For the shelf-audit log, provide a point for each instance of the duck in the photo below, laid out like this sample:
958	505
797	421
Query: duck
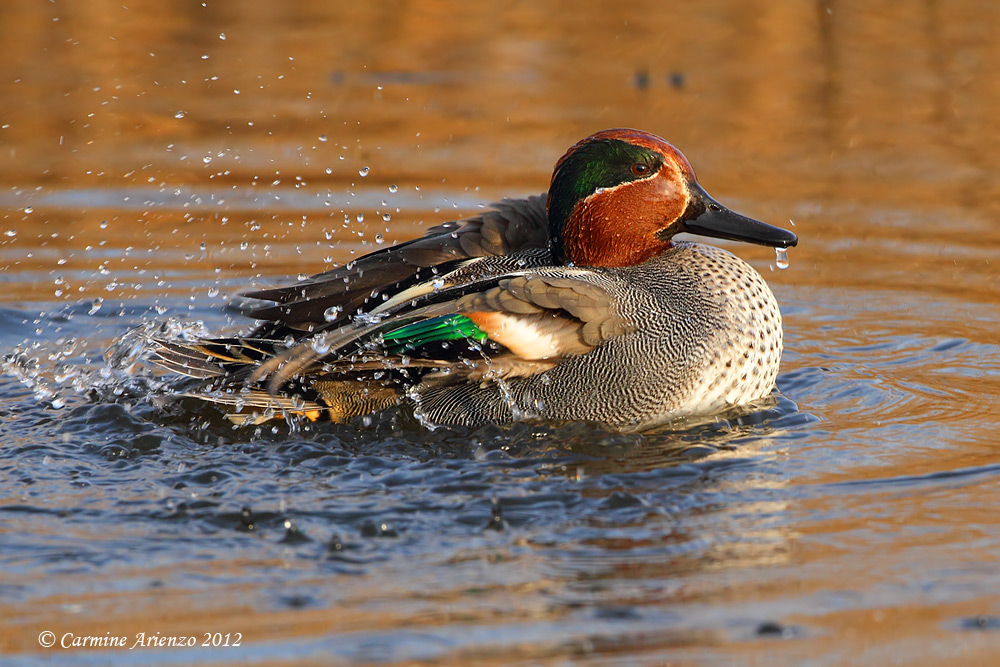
575	305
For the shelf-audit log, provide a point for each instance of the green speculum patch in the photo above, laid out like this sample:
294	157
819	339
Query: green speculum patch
444	328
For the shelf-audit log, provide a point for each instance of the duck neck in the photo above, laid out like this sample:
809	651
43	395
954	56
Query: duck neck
603	236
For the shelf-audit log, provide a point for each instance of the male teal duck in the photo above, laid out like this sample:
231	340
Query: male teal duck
575	305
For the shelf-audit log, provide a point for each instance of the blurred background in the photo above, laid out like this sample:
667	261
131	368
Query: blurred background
262	112
156	158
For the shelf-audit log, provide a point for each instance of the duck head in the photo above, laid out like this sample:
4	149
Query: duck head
618	196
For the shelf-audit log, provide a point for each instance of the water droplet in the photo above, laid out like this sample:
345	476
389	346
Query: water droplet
329	170
379	239
180	114
104	224
11	233
363	171
386	217
360	217
332	313
321	344
322	137
95	305
222	36
437	283
781	258
207	159
28	209
393	188
369	318
213	292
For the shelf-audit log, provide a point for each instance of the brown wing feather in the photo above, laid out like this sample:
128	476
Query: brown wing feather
513	225
546	300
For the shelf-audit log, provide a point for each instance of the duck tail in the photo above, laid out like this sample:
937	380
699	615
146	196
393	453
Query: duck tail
328	400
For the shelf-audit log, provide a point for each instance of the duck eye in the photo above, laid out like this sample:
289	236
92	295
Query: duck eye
640	169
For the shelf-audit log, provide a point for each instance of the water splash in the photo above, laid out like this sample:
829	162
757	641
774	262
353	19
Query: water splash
57	371
366	319
518	413
134	345
25	367
413	394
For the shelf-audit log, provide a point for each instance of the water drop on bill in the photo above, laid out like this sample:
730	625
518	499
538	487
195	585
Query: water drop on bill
781	258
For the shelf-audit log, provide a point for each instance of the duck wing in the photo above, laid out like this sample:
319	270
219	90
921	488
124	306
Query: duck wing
329	299
530	318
